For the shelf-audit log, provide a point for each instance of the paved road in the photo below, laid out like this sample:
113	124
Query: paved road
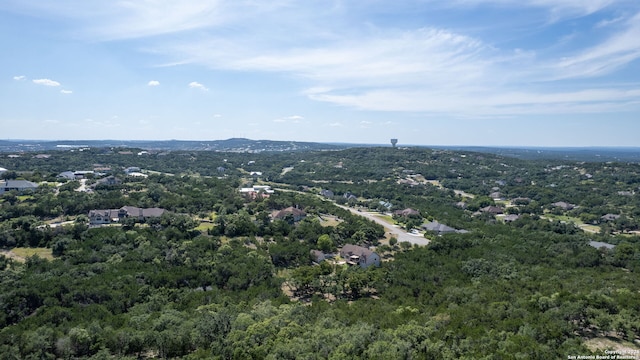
398	232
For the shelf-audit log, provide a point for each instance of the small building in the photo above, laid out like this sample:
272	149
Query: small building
317	256
358	255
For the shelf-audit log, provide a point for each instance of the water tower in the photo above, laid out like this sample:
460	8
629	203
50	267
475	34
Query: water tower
394	142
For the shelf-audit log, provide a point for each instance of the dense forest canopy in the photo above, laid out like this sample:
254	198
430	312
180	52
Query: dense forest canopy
538	258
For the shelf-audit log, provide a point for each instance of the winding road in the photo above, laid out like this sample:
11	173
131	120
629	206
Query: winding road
396	231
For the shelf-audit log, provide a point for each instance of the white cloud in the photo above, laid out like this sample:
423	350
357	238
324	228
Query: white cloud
19	78
197	85
293	119
66	91
609	22
217	115
153	83
335	124
46	82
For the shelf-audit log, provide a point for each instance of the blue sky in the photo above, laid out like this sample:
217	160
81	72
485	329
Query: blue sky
456	72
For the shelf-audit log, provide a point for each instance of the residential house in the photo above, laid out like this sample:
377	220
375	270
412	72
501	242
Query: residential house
132	169
496	195
358	255
317	256
349	196
17	185
461	204
75	175
494	210
599	245
511	217
610	217
326	193
69	175
109	216
385	204
563	205
263	191
293	212
521	201
109	181
408	212
440	229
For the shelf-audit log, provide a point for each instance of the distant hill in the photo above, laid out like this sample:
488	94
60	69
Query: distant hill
600	154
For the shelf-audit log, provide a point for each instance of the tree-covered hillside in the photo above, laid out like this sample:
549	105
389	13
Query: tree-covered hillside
538	259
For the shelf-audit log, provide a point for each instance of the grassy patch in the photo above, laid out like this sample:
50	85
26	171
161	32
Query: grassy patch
386	218
569	219
608	343
204	226
24	253
328	220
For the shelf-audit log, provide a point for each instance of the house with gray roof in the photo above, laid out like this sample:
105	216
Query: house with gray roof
563	205
440	229
17	185
610	217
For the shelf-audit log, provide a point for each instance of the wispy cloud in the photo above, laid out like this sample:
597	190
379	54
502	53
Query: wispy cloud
618	50
558	9
197	85
153	83
46	82
292	119
66	91
19	78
